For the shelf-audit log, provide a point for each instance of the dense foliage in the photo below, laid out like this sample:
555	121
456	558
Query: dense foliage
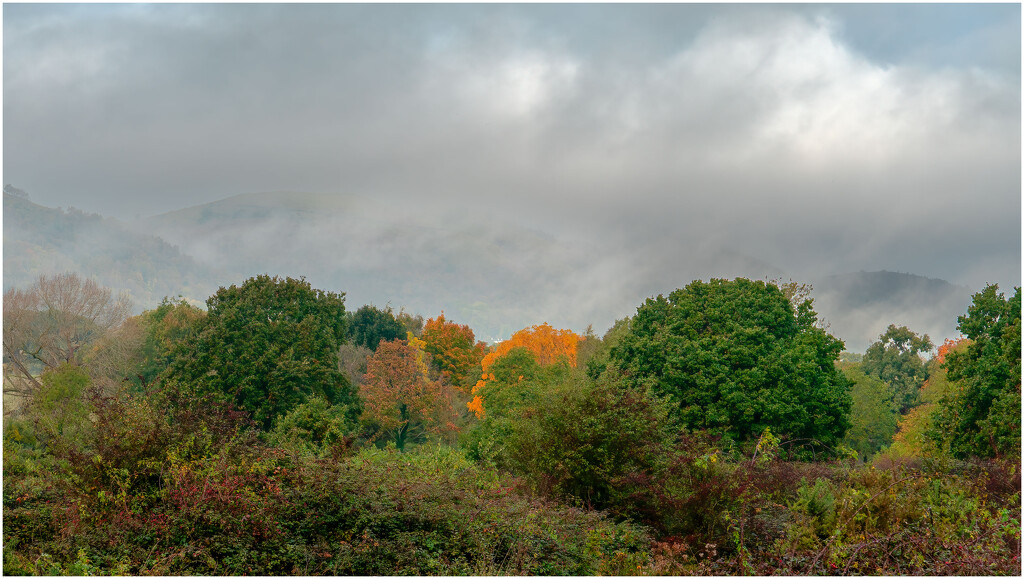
266	346
896	359
454	351
370	325
401	400
736	357
185	442
982	416
546	346
873	415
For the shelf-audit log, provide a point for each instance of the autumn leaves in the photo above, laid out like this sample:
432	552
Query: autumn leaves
547	345
420	385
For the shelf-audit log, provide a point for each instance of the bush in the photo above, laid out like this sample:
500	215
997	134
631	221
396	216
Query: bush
314	426
588	440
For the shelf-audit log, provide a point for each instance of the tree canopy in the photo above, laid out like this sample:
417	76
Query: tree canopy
400	398
52	323
981	417
873	416
736	357
370	325
267	345
454	351
546	345
895	358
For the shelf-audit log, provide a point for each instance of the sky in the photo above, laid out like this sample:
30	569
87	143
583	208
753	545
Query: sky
816	138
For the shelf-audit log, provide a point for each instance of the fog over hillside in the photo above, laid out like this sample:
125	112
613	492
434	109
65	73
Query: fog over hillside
498	277
41	240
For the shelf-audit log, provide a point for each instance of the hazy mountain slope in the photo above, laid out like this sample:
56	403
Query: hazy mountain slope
498	277
860	306
41	240
494	275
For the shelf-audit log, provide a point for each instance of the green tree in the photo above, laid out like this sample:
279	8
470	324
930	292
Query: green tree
873	417
981	417
896	359
267	346
60	408
516	388
370	325
313	426
736	357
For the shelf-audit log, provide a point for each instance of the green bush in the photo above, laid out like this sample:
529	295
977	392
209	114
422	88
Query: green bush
587	440
313	426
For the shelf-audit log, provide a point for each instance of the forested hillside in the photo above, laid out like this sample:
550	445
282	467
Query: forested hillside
494	274
861	305
41	240
718	430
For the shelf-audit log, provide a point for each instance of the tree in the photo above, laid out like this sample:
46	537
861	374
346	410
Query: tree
370	325
413	324
594	354
266	346
873	416
547	345
736	357
914	437
52	323
981	417
896	359
141	349
399	397
515	390
170	323
454	351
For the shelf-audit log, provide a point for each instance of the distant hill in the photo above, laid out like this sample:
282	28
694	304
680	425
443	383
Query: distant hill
496	276
40	240
860	306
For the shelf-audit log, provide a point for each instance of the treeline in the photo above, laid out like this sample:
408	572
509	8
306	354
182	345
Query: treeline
720	430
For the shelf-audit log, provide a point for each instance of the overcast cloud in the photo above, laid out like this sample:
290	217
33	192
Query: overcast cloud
817	140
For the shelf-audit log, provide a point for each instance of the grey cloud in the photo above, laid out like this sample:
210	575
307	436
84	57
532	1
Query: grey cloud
812	139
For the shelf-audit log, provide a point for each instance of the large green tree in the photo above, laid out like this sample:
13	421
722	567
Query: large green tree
981	417
895	358
266	346
737	357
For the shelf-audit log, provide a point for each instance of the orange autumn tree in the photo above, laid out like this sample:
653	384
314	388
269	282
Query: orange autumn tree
454	350
547	345
400	399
